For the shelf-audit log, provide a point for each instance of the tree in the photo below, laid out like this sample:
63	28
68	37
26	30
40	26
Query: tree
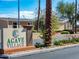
48	23
61	8
55	23
67	10
42	23
78	16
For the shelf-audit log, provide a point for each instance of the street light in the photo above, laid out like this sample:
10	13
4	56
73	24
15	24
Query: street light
18	13
38	15
75	14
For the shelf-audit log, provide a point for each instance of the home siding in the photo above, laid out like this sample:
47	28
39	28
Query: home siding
3	24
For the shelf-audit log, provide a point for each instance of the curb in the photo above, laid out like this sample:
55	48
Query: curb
41	51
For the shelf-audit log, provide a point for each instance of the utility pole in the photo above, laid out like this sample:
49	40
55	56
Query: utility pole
38	15
75	15
18	13
48	22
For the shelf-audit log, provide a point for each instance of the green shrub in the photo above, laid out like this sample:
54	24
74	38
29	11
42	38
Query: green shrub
64	41
70	31
58	43
77	40
39	45
61	42
58	31
65	32
72	41
34	31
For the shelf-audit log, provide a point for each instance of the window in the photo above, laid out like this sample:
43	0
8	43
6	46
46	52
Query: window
29	23
14	24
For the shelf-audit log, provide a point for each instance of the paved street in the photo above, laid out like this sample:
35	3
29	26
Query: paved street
69	53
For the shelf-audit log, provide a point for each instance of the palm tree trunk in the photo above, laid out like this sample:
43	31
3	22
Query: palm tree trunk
48	22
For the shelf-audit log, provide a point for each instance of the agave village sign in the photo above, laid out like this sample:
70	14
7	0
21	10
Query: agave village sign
14	38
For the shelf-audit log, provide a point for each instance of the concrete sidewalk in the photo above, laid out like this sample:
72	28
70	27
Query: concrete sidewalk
38	51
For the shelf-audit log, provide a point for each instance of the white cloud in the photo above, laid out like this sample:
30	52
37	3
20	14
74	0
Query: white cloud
27	14
23	14
8	15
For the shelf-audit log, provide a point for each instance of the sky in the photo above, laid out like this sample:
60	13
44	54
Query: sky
28	8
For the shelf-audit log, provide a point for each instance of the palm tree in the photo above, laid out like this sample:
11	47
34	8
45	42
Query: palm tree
48	22
61	8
